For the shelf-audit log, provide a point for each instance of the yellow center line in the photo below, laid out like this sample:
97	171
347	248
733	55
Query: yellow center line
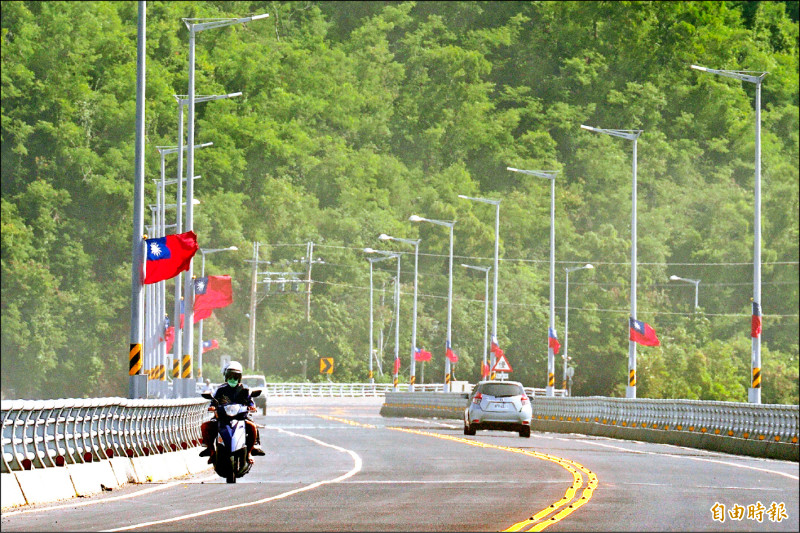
562	508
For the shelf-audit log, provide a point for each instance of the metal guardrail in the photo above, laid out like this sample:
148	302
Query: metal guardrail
364	390
50	433
601	415
341	390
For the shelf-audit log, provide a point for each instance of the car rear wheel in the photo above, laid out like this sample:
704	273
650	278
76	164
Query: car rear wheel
468	430
525	432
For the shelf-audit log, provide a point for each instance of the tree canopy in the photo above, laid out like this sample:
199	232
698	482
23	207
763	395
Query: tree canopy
356	115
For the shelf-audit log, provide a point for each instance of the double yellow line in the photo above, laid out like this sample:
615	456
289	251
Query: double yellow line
568	504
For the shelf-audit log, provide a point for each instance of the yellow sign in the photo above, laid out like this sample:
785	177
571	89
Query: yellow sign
326	365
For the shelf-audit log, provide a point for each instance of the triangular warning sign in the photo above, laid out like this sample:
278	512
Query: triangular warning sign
502	364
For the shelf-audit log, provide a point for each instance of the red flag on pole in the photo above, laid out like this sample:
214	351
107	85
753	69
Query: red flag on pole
212	292
643	333
422	355
166	257
755	323
552	340
450	354
396	366
210	345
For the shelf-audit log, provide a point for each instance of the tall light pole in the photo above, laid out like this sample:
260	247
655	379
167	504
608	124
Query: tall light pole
387	256
756	77
566	320
551	175
200	326
183	100
696	285
413	375
137	382
195	27
449	224
631	135
496	204
485	270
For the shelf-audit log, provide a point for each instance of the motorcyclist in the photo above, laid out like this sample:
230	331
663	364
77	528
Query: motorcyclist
232	391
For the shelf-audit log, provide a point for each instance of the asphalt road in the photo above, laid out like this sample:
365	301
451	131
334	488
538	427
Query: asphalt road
337	465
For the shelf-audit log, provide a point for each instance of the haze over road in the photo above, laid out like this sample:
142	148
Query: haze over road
337	465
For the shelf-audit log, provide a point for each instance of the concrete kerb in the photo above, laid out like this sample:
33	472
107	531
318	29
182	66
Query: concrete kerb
47	485
90	478
10	491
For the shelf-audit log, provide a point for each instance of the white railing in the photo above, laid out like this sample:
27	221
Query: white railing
50	433
341	390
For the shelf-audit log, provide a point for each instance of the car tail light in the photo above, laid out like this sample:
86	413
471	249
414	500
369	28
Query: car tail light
477	398
524	399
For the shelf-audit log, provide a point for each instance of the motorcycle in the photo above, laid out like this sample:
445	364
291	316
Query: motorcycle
231	459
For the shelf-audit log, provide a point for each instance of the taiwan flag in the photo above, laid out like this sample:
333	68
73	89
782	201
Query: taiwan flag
450	354
212	292
422	355
552	340
169	337
643	333
755	323
396	365
198	315
210	345
166	257
495	348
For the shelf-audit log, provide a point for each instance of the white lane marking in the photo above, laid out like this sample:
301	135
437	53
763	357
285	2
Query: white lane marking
431	422
111	498
706	459
353	471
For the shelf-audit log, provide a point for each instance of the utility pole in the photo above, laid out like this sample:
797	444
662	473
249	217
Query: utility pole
251	353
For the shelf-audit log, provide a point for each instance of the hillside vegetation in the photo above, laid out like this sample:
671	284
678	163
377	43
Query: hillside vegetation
356	115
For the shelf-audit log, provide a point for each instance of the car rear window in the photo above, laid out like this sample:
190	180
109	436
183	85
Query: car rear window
501	389
252	382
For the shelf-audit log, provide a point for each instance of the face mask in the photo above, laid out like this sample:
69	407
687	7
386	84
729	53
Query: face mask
233	382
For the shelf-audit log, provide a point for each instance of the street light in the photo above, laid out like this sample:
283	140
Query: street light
388	255
412	367
566	320
200	326
485	270
194	27
696	285
182	101
631	135
551	175
449	224
756	77
495	203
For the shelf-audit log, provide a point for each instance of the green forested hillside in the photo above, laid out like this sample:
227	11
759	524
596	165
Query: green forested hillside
356	115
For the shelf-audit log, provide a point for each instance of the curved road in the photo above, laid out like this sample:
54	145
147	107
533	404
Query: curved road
337	465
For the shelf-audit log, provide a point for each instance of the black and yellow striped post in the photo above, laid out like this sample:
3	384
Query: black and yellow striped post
186	371
493	375
135	360
632	378
551	379
756	383
412	381
447	380
369	375
176	368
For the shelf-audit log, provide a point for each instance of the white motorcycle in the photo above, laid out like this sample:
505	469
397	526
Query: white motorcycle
231	459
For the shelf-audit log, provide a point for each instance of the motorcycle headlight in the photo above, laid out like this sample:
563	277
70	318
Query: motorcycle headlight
232	409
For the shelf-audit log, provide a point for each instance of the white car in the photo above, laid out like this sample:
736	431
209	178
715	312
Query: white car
257	382
498	405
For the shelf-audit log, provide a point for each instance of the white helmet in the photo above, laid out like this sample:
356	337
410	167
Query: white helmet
233	371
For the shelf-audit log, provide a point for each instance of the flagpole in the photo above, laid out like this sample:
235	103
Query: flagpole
135	379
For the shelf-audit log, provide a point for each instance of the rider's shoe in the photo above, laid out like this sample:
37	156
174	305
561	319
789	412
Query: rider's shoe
257	451
207	452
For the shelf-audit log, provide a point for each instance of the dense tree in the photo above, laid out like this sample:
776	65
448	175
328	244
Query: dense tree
355	115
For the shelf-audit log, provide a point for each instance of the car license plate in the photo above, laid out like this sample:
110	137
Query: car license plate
500	406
